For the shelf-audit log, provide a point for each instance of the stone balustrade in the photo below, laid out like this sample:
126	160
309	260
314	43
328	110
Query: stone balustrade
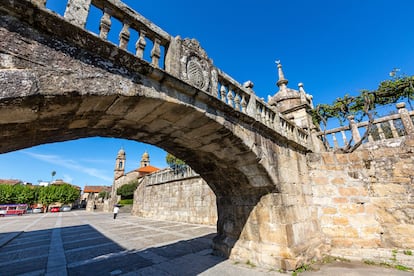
391	126
243	99
77	12
167	175
240	97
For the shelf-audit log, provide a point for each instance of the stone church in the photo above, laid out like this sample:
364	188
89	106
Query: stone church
121	178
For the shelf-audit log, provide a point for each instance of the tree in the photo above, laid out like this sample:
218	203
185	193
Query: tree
64	193
53	174
103	194
127	191
24	194
175	164
7	194
364	105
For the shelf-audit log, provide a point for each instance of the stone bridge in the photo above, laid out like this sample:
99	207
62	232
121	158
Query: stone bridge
60	82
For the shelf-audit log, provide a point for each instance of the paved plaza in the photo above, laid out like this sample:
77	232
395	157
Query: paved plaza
87	243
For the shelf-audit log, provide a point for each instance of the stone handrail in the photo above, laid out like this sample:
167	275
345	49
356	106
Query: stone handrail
354	130
240	97
77	13
167	175
243	99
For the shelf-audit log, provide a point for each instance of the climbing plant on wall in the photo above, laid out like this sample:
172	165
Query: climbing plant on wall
364	105
388	92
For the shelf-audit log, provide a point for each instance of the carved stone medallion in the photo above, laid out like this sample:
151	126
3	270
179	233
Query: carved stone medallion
195	73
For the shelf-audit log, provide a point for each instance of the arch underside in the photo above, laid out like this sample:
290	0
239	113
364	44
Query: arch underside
52	91
207	146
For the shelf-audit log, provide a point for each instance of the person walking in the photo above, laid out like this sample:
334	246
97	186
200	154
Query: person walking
116	210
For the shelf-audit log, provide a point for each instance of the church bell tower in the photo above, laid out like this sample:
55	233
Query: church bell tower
120	164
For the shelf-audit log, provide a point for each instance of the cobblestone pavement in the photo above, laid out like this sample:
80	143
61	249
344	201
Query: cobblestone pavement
85	243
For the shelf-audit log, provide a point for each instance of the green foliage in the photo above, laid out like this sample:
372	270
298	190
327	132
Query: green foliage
17	194
402	267
103	194
369	262
127	191
248	262
126	201
388	92
65	194
173	161
301	269
408	252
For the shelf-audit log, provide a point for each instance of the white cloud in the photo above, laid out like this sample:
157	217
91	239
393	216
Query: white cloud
70	164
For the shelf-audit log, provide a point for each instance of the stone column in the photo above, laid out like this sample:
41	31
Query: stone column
77	12
405	118
172	57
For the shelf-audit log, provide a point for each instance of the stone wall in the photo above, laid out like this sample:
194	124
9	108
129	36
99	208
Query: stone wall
365	199
186	200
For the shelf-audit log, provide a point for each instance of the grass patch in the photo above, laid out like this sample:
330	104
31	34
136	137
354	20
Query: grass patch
369	262
330	259
301	269
126	201
249	263
408	252
402	267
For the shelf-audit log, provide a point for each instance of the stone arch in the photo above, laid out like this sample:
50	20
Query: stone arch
55	91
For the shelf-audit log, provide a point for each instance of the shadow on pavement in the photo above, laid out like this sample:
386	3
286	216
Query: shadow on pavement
89	252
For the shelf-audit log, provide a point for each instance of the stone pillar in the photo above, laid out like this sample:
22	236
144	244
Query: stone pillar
172	57
354	129
251	105
405	118
77	12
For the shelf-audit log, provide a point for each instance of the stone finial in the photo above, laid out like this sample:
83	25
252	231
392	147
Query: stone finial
248	84
282	82
306	98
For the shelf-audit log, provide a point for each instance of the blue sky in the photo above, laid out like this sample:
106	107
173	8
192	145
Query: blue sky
333	47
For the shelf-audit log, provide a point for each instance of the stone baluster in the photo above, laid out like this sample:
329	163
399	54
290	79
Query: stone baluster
230	98
405	119
140	45
77	12
370	138
276	122
295	133
258	112
393	129
156	53
354	129
267	117
335	141
380	131
263	117
105	24
344	137
223	93
237	102
124	36
243	104
40	3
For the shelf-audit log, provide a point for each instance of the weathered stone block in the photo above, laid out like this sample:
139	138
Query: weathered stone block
329	210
